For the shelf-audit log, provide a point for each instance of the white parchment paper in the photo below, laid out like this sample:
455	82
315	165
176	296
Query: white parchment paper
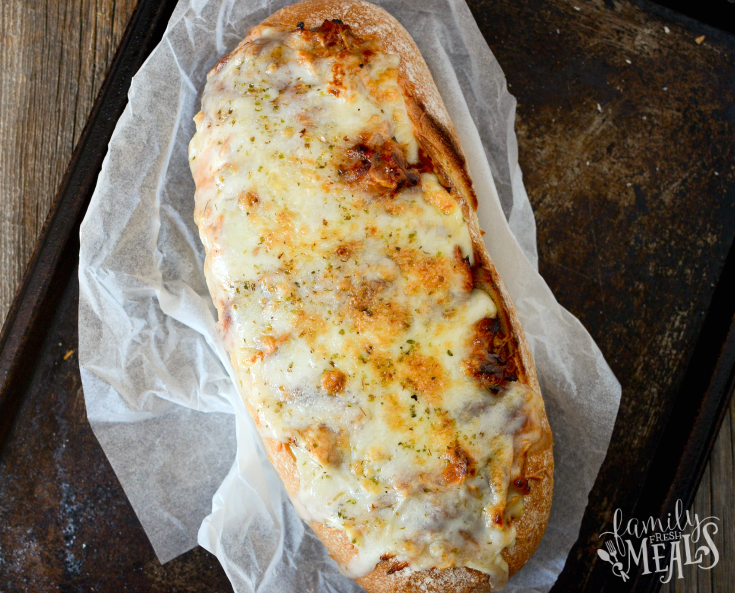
157	380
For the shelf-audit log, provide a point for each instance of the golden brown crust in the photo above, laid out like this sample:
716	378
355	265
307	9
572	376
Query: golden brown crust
439	139
387	577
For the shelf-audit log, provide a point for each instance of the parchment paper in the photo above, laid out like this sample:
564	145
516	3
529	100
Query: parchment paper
157	381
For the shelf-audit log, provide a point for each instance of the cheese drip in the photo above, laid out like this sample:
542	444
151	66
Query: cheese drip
341	271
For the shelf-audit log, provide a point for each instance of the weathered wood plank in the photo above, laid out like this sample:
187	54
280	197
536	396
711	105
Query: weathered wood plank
715	497
703	508
53	56
692	581
722	464
723	502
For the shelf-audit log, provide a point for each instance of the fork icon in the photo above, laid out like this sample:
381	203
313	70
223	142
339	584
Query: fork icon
611	550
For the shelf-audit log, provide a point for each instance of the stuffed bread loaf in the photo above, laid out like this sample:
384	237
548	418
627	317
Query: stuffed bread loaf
374	343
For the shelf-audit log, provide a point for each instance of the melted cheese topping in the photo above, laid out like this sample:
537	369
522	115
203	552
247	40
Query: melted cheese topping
348	306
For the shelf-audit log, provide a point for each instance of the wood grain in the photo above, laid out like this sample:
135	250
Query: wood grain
628	154
715	497
53	57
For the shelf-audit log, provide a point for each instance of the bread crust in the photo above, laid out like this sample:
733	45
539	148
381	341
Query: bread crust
438	138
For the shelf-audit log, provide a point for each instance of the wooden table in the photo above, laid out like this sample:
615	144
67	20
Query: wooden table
588	131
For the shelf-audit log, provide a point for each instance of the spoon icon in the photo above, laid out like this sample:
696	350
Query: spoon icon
603	555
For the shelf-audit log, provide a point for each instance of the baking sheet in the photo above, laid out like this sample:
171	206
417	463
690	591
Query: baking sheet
156	378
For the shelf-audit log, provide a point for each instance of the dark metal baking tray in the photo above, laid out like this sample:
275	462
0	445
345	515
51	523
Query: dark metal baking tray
635	233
